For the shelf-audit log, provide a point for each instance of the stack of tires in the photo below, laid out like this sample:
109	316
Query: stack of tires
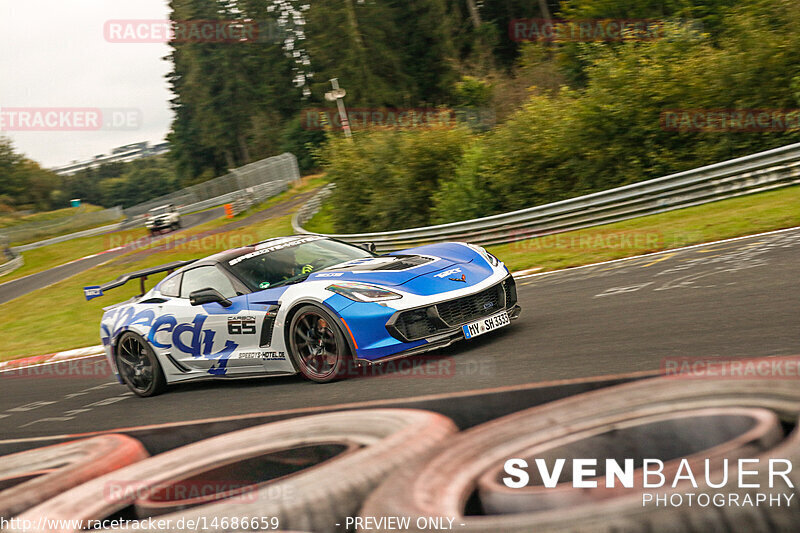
318	473
662	418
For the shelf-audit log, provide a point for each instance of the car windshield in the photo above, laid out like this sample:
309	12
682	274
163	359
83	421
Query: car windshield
160	211
279	263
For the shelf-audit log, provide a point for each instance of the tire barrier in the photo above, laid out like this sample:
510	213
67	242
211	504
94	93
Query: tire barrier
30	478
177	496
345	455
319	472
713	434
444	485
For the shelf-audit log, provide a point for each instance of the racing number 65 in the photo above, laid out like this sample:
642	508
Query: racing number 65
242	326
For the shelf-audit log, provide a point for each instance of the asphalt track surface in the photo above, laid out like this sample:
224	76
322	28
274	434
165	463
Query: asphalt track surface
20	287
732	299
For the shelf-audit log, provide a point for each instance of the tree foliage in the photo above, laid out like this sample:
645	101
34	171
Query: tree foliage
23	183
387	178
606	131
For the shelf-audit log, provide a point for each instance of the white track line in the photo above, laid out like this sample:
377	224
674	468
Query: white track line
670	251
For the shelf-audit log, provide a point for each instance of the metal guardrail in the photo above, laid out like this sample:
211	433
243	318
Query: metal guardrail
259	193
745	175
271	177
225	189
33	230
311	208
255	195
10	266
64	238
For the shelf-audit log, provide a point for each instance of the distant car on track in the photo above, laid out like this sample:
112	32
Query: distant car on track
302	304
161	218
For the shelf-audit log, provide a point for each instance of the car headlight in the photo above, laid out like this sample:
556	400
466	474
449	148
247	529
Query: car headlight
492	260
362	292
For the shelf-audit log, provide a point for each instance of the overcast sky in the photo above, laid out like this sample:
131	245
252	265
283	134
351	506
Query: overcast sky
53	54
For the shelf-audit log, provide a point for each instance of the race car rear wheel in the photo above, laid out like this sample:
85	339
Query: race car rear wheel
318	347
138	366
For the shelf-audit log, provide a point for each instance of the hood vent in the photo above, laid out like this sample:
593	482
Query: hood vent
398	262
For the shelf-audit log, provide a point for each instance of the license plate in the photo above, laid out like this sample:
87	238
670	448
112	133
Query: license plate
485	325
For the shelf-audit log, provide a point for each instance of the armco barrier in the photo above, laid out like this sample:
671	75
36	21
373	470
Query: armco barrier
260	175
34	230
247	190
64	238
11	266
754	173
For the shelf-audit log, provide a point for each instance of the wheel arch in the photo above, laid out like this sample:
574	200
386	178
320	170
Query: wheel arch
297	304
114	339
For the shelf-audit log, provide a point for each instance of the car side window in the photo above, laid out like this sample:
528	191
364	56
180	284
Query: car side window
171	286
207	277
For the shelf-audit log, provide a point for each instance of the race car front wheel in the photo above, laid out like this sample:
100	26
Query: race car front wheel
317	345
138	366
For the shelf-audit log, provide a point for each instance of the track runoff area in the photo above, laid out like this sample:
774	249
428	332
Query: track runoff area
700	312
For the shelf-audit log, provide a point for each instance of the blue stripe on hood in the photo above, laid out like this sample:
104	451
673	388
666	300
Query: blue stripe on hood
422	279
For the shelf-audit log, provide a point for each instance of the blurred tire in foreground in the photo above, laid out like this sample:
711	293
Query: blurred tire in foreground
444	486
370	444
31	477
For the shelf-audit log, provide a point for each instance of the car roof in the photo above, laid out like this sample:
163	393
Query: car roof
227	255
162	207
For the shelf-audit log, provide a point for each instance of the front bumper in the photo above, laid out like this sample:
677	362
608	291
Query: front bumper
158	225
439	325
434	343
431	321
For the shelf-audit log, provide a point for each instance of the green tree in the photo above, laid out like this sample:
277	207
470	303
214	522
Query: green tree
387	179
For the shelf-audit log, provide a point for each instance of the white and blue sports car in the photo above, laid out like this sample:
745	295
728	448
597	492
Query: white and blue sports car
306	304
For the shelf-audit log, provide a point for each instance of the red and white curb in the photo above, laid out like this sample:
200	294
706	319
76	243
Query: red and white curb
52	358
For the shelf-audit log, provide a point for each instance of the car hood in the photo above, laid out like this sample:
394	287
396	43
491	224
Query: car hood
423	270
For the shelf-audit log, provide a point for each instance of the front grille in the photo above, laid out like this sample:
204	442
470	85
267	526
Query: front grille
416	324
469	308
427	321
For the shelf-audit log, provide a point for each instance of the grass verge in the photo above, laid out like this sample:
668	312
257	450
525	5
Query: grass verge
53	255
322	222
10	220
725	219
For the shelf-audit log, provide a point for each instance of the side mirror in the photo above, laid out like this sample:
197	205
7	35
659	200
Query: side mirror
208	296
368	246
